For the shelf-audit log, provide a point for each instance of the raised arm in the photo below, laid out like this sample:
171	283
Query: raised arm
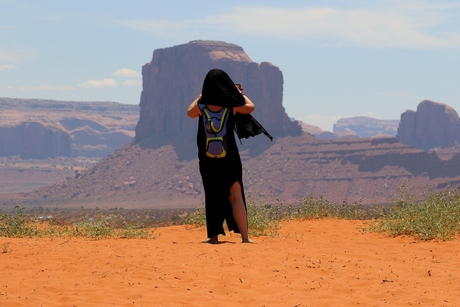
247	108
193	110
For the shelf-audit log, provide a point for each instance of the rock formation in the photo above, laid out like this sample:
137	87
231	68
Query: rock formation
174	78
432	125
90	139
359	170
34	140
363	126
39	129
355	127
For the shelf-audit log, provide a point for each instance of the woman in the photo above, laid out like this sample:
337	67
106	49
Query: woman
220	164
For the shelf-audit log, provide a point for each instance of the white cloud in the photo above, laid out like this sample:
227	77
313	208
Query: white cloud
6	67
126	72
375	27
17	54
99	83
47	88
132	83
396	24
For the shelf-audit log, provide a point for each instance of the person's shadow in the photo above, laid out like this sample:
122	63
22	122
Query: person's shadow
218	242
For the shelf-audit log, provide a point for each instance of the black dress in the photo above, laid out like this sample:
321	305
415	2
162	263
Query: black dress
218	175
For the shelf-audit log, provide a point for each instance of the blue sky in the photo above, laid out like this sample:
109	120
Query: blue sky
338	58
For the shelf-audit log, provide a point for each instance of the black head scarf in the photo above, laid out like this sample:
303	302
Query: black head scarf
219	90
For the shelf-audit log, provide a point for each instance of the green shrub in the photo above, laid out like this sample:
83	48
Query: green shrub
262	220
103	226
425	216
97	227
196	217
435	216
132	230
17	225
320	208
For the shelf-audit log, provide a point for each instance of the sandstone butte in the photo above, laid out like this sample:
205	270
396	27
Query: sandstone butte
41	129
160	169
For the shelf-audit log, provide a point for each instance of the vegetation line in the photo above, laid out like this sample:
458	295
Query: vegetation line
435	215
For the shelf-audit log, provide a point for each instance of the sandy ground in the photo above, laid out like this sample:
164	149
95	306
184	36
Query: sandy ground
312	263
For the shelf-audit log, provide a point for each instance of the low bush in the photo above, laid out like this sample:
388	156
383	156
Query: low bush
100	226
435	216
262	219
320	208
17	225
425	216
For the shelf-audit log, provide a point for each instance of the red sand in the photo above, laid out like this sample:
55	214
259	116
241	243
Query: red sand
312	263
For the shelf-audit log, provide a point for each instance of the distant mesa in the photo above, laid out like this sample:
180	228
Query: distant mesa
366	127
34	139
40	129
356	127
433	125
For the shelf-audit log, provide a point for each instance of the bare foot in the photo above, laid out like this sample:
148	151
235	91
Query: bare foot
248	241
212	240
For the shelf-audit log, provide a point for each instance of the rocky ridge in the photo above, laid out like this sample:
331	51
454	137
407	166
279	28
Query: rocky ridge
363	126
40	129
433	125
358	170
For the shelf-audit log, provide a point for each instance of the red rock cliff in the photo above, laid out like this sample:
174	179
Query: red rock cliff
432	125
34	140
174	77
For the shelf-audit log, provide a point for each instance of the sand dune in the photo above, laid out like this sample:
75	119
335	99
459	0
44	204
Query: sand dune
312	263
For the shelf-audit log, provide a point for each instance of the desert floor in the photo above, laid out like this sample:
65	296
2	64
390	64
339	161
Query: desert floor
311	263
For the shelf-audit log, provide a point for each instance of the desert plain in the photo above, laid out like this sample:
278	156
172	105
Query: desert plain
310	263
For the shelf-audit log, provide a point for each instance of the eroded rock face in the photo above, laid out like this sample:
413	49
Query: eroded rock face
38	129
432	125
174	78
34	140
366	170
363	126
